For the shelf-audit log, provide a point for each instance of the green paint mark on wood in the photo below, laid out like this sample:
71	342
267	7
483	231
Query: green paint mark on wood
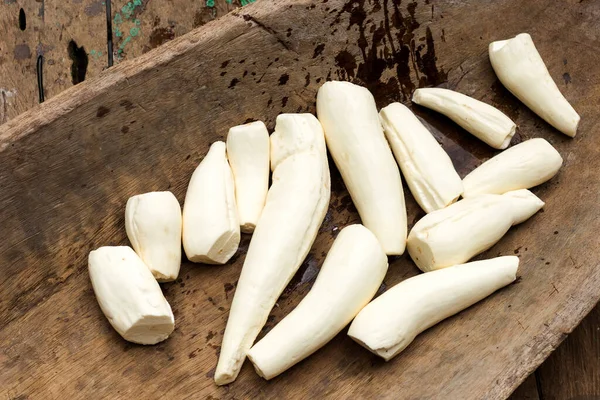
210	3
246	2
95	54
127	10
126	14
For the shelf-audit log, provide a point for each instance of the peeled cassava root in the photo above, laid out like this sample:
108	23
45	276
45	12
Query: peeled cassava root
478	118
388	324
468	227
357	144
295	207
426	167
211	231
349	278
248	155
521	70
129	295
153	225
523	166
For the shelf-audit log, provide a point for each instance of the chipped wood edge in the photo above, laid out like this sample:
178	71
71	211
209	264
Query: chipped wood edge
556	332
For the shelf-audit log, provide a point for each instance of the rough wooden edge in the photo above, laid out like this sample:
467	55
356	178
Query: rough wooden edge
540	348
65	102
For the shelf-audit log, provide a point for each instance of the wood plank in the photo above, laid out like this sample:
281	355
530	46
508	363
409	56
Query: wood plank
142	25
50	27
573	370
145	124
18	82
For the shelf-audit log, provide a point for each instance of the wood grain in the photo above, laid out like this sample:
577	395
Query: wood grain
143	125
156	22
573	370
50	28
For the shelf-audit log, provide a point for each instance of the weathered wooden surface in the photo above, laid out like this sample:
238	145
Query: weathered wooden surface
142	25
70	166
573	370
64	36
71	37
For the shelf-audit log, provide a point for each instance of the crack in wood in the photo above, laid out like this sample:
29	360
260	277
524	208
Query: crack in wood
269	30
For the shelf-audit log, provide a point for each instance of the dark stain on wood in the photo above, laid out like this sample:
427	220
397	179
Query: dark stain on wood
127	104
389	46
102	111
203	16
79	62
94	8
427	63
233	82
346	61
318	50
283	79
159	36
22	52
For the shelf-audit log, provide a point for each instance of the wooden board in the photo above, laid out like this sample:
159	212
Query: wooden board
142	25
71	50
72	39
573	370
70	165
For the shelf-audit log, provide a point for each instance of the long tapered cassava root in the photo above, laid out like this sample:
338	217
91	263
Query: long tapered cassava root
348	280
468	227
295	207
388	324
357	144
528	164
478	118
521	70
427	168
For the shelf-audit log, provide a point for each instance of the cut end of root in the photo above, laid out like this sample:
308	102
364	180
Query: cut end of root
497	46
386	355
508	138
573	132
150	330
224	379
258	370
162	278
